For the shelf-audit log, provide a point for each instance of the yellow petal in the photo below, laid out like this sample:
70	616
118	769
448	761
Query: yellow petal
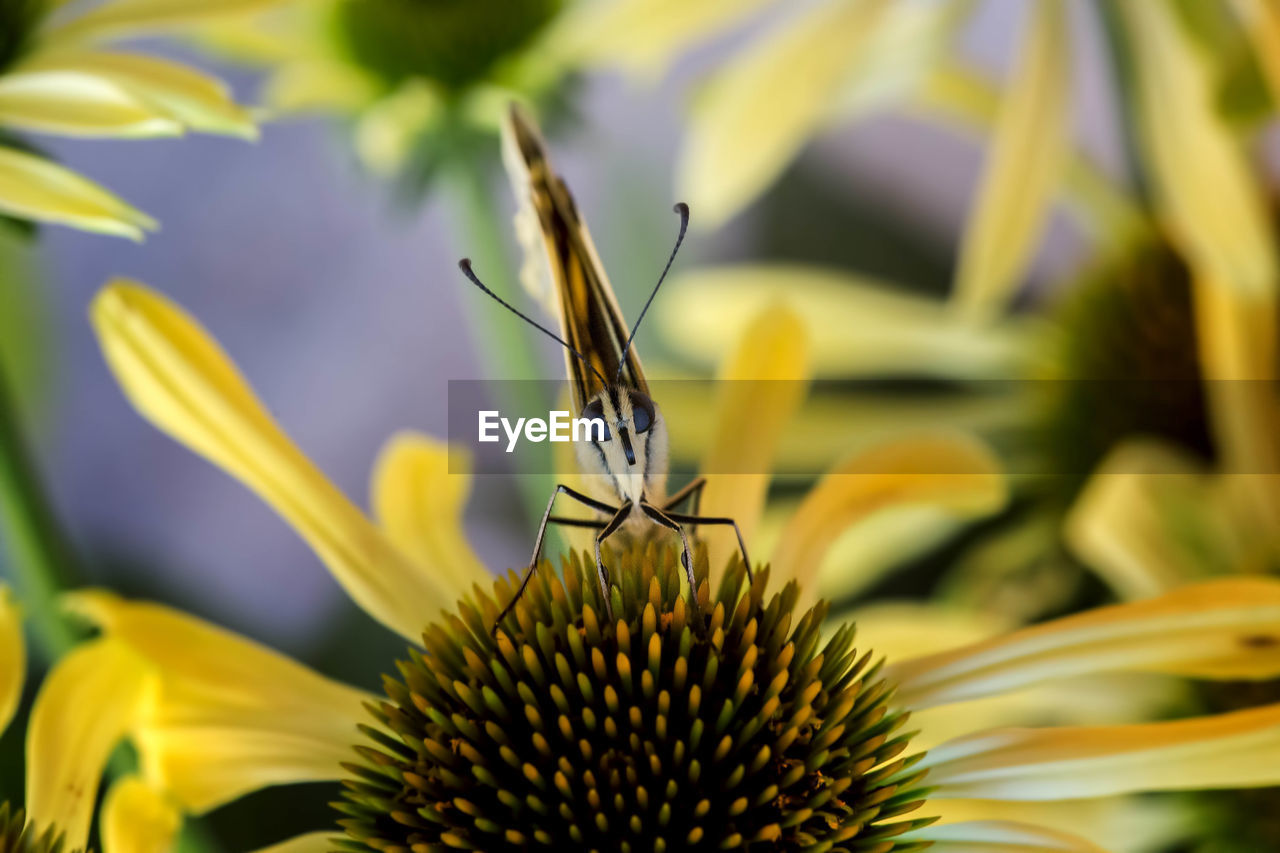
1023	169
1120	524
953	472
138	818
74	103
34	188
1000	836
850	418
229	716
420	488
762	384
883	541
1261	19
858	326
1116	824
1238	333
1203	183
87	703
643	35
966	97
178	377
117	17
1236	750
764	104
177	91
312	842
1219	629
13	657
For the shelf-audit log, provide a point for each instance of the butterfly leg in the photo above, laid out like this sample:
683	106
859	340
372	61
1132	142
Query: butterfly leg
702	519
547	518
609	530
686	554
692	492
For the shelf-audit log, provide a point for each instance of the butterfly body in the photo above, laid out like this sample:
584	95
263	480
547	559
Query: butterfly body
624	463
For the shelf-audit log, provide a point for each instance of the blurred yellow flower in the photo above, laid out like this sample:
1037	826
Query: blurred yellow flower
821	64
1158	308
85	705
418	77
228	716
58	77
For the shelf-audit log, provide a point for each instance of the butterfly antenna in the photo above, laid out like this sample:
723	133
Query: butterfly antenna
465	266
682	209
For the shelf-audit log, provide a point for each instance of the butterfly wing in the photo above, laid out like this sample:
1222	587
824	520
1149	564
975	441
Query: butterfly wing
549	226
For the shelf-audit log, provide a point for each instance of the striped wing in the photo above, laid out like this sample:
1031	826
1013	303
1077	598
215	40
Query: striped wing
551	227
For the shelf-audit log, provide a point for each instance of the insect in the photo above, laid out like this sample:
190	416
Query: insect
628	459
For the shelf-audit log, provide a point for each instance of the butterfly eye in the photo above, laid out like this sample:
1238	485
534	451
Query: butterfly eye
594	411
642	411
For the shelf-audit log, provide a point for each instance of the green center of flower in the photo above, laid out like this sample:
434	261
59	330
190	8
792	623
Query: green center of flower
17	837
658	732
1126	363
454	43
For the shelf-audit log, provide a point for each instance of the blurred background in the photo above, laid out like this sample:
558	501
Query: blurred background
340	300
336	291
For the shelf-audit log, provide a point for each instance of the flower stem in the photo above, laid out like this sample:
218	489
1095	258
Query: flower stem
503	341
42	561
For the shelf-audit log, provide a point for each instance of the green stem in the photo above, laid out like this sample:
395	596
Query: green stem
41	559
503	340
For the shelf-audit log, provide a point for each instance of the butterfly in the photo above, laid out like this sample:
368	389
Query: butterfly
627	459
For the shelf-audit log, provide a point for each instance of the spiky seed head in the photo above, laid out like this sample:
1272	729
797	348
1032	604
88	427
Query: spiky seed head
651	733
17	836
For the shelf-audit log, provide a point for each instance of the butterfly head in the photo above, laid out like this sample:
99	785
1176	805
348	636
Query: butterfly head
627	441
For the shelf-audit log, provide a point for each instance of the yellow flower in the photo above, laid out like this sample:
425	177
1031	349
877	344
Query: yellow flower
83	708
420	78
836	61
57	76
475	720
1159	307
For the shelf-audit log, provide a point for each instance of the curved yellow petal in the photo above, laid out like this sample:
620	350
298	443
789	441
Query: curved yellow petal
178	377
138	818
74	103
1236	750
954	472
1219	629
228	716
312	842
419	491
1203	183
32	187
1123	524
762	384
89	701
13	656
881	542
133	17
858	326
179	92
968	98
1116	824
1000	836
1023	169
643	36
763	105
